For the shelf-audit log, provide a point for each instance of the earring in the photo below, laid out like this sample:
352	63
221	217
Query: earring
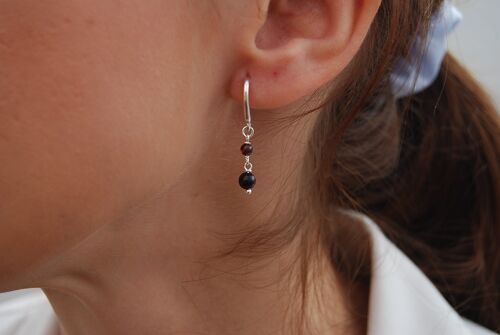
247	179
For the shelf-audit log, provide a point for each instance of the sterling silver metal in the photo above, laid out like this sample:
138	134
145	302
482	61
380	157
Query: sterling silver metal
246	99
247	130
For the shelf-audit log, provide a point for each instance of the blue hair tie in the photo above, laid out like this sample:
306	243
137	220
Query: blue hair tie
409	75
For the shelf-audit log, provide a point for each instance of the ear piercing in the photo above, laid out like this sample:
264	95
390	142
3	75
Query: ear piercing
247	179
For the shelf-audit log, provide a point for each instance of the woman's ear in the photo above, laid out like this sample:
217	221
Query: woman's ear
293	47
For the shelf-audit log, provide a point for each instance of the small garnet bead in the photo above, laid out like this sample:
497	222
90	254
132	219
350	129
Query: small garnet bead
247	180
246	149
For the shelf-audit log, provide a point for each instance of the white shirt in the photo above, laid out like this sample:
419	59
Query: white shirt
402	300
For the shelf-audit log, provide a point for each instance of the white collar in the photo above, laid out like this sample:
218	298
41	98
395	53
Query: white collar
402	299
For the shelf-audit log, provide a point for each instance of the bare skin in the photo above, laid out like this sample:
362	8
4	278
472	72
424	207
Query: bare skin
120	127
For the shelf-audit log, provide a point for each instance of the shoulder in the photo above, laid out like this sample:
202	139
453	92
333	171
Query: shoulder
26	312
402	299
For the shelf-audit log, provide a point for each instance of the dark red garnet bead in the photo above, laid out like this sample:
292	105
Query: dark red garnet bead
247	180
246	149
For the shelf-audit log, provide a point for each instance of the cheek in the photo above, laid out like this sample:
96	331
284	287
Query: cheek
87	118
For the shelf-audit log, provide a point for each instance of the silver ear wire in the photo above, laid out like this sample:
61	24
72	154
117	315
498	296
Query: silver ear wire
247	179
246	101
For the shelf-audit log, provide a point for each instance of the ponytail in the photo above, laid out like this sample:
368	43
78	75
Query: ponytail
441	203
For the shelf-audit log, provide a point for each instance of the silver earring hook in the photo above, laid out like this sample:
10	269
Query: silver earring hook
248	130
246	99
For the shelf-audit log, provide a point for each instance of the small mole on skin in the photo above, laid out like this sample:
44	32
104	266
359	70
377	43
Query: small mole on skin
275	74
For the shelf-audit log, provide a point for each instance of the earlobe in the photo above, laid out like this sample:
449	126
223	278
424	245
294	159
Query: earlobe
301	45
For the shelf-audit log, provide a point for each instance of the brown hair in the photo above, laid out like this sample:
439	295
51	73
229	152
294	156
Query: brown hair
425	168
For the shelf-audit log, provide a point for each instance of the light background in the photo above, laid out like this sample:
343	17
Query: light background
476	42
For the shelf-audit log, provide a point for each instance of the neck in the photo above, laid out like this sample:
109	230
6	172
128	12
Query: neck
152	271
137	287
